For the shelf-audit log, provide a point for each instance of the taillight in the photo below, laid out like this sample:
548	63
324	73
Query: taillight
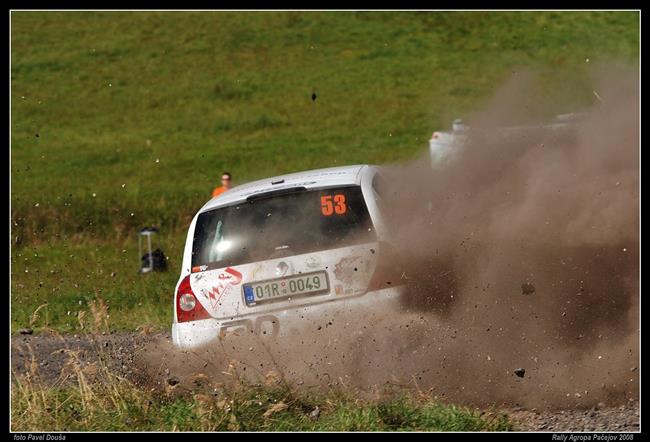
188	308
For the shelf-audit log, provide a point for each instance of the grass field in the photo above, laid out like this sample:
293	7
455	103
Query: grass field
121	120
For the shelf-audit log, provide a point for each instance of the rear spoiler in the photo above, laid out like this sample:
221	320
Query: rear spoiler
272	193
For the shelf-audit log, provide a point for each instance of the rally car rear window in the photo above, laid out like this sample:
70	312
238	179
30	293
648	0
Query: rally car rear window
281	225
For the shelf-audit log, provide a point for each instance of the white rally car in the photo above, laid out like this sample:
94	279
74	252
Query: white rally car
276	255
444	145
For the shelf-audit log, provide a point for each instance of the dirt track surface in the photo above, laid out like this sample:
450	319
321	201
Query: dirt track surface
51	354
123	352
623	418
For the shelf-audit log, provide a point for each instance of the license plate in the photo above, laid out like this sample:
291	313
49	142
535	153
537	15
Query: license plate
290	286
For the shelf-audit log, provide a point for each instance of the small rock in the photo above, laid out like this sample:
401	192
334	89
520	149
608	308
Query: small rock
527	288
314	414
26	331
173	381
520	372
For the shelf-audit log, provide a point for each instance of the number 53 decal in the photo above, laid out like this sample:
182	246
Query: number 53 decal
330	204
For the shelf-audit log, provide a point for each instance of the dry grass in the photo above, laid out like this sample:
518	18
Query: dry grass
89	397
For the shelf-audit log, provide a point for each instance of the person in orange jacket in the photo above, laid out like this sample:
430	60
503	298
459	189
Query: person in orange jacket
226	179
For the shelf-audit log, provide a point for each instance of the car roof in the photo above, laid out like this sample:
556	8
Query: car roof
331	176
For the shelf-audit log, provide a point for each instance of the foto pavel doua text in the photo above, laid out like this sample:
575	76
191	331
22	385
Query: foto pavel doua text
39	437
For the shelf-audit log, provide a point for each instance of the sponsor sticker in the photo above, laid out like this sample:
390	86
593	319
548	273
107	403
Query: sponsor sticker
227	279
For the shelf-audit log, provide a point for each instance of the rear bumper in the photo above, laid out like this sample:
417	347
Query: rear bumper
285	322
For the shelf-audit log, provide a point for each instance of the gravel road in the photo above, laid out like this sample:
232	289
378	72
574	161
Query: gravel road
122	353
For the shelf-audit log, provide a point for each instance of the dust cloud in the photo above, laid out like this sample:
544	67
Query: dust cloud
520	257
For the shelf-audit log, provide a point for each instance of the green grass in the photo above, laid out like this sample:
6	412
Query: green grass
153	413
65	278
110	93
120	406
120	120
